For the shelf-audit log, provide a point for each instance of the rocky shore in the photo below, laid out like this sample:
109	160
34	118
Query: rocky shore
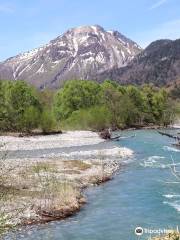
39	190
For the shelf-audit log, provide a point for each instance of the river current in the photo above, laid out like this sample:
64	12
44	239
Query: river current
144	193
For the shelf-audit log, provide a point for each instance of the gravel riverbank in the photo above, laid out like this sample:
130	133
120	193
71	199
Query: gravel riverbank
47	188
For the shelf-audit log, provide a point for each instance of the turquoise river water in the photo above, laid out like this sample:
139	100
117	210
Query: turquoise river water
143	193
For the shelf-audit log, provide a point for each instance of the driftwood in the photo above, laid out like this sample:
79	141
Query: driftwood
106	134
172	136
117	138
169	135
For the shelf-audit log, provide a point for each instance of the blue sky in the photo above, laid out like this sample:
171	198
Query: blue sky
26	24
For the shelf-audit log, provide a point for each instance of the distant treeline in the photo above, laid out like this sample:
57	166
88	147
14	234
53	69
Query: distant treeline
82	105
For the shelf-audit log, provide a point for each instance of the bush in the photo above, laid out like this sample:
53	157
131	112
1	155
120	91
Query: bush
30	119
48	122
95	118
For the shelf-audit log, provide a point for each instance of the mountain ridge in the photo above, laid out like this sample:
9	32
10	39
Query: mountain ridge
92	53
159	64
79	53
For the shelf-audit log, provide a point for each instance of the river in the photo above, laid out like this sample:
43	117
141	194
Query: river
143	193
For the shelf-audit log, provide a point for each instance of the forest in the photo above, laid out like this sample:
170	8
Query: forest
82	104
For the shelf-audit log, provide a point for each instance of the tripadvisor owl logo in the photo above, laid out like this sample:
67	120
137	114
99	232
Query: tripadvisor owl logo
139	231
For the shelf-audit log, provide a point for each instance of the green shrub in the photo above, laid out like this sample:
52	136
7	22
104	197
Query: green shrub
95	118
30	119
48	122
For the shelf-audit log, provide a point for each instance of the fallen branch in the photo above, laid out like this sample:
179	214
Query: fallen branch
169	135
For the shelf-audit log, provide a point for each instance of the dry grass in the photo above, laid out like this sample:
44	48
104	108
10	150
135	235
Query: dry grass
77	164
39	186
44	167
170	236
50	187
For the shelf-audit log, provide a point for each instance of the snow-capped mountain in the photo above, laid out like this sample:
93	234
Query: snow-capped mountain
80	53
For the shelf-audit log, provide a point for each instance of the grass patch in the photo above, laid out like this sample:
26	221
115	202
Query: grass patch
77	164
44	167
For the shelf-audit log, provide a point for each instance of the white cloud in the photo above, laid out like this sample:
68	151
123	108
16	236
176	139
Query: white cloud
167	30
158	4
6	8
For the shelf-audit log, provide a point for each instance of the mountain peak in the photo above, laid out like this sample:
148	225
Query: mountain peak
94	29
88	28
80	53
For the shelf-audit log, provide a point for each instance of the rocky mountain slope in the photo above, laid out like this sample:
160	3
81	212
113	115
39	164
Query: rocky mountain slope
80	53
159	63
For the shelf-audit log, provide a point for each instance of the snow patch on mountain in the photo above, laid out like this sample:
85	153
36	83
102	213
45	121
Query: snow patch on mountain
79	53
